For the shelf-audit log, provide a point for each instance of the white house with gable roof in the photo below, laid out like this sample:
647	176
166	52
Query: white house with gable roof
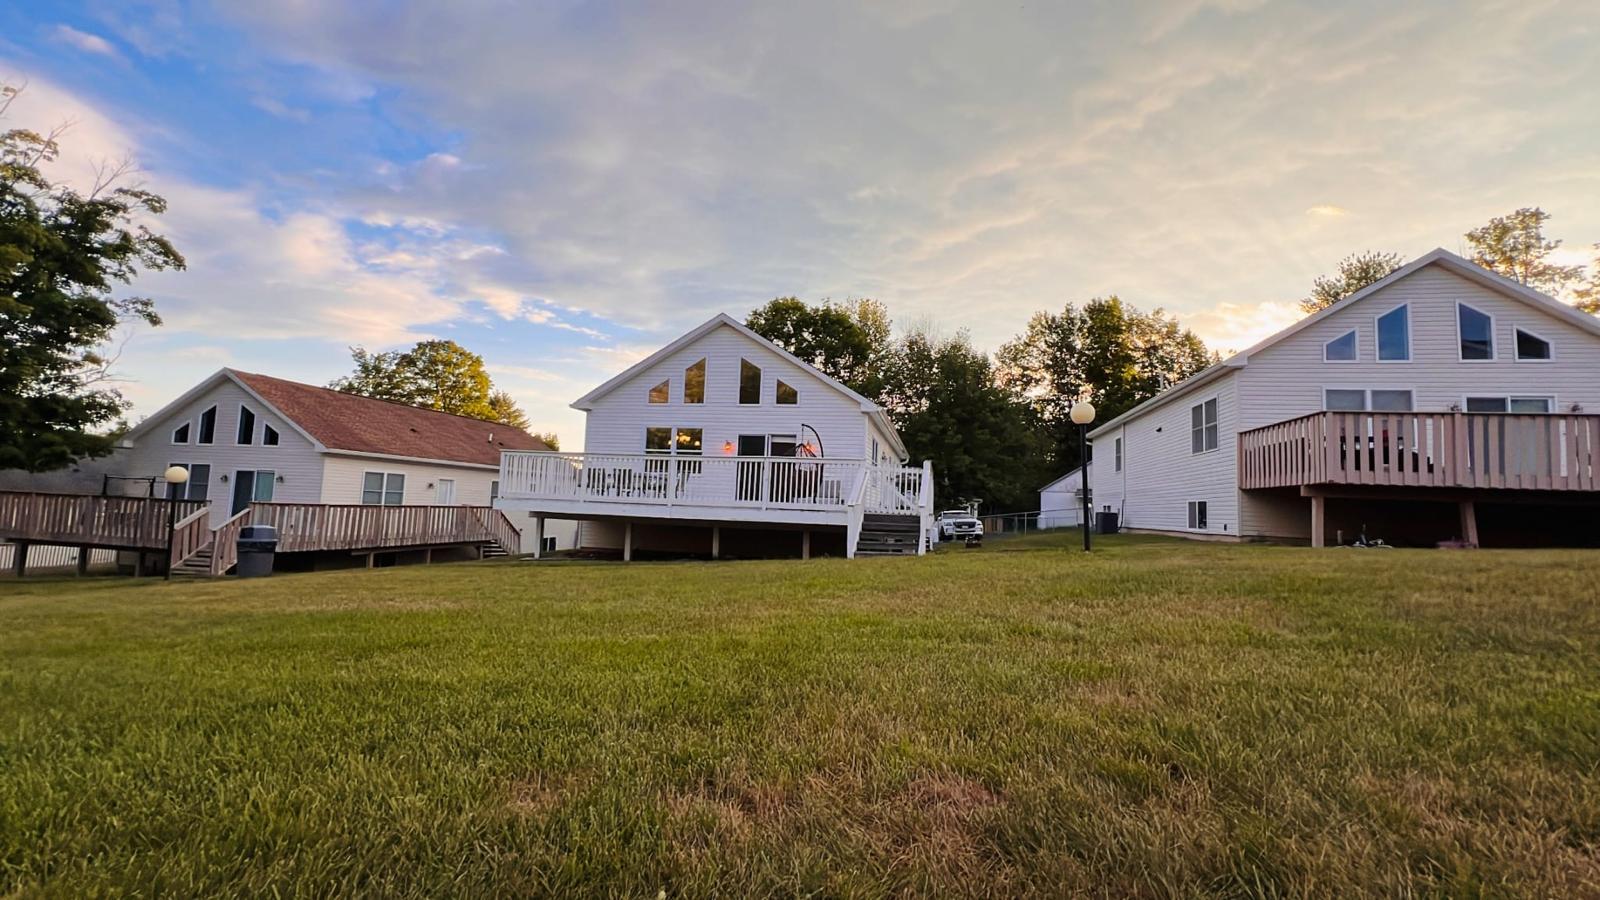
1441	402
724	444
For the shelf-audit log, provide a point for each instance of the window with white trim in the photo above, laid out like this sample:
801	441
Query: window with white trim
1119	455
786	394
694	383
661	393
269	435
1197	515
198	485
1510	404
180	435
1532	348
749	383
1203	433
1394	335
1475	328
383	489
246	432
1364	400
208	427
1341	349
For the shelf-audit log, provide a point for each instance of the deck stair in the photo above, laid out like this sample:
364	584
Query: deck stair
195	565
492	550
888	535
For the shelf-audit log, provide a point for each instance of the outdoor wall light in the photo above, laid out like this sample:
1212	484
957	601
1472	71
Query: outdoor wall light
727	448
223	479
280	479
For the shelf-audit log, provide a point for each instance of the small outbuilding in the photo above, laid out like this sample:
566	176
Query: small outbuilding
1061	501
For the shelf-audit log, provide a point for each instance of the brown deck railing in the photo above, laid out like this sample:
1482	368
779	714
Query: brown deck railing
316	526
125	523
1475	450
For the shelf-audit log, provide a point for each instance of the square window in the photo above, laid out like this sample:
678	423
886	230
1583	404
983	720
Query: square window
658	440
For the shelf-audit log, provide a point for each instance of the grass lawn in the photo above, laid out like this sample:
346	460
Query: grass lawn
1159	718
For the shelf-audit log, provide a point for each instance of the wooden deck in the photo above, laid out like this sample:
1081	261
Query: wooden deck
141	524
1490	451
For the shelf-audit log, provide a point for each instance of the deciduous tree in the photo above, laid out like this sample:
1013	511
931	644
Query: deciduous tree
845	340
1515	246
1107	352
1356	271
441	375
62	254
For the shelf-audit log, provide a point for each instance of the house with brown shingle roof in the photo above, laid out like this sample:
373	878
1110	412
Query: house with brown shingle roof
249	438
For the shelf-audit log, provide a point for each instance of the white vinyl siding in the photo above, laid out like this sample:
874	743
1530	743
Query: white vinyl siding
293	458
618	419
344	480
1288	379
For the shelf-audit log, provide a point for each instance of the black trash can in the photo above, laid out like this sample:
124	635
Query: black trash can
1105	522
257	545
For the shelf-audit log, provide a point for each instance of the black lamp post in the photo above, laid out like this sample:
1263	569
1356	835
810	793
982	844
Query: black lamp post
1082	414
176	476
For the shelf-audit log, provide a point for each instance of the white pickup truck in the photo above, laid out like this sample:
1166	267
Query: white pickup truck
960	525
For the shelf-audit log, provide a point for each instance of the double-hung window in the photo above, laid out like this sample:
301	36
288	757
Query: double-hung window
383	489
197	485
1203	432
1119	455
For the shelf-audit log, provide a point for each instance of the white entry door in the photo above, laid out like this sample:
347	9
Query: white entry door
447	492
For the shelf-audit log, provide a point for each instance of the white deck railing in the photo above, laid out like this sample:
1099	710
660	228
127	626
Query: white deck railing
758	482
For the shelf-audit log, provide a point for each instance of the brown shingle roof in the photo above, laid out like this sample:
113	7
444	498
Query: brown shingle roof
348	422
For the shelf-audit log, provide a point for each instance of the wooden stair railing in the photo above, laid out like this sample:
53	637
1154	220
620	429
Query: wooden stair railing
189	536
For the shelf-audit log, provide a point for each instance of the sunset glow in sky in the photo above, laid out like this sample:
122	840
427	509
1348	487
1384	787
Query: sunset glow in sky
564	186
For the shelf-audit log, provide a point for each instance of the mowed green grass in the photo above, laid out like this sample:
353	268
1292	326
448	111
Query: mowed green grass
1157	718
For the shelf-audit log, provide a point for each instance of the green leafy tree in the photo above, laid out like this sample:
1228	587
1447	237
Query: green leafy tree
845	340
1108	352
441	375
1587	296
551	439
504	409
1355	272
985	444
1515	246
62	253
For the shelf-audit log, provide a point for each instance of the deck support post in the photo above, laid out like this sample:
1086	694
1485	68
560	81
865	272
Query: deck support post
1469	522
805	544
371	557
19	558
538	537
627	542
1319	520
716	542
138	564
83	561
427	555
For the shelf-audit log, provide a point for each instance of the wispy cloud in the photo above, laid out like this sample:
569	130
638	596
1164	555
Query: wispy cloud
84	41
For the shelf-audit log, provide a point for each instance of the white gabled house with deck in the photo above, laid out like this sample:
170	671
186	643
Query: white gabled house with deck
1443	401
722	443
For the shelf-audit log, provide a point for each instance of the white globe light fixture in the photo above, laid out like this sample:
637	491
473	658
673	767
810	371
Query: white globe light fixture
175	476
1082	414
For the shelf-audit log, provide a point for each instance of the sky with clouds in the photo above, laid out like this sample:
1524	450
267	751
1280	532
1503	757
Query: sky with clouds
564	186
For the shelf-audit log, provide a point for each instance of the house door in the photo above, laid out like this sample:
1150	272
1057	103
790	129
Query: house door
750	473
447	492
244	486
250	485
